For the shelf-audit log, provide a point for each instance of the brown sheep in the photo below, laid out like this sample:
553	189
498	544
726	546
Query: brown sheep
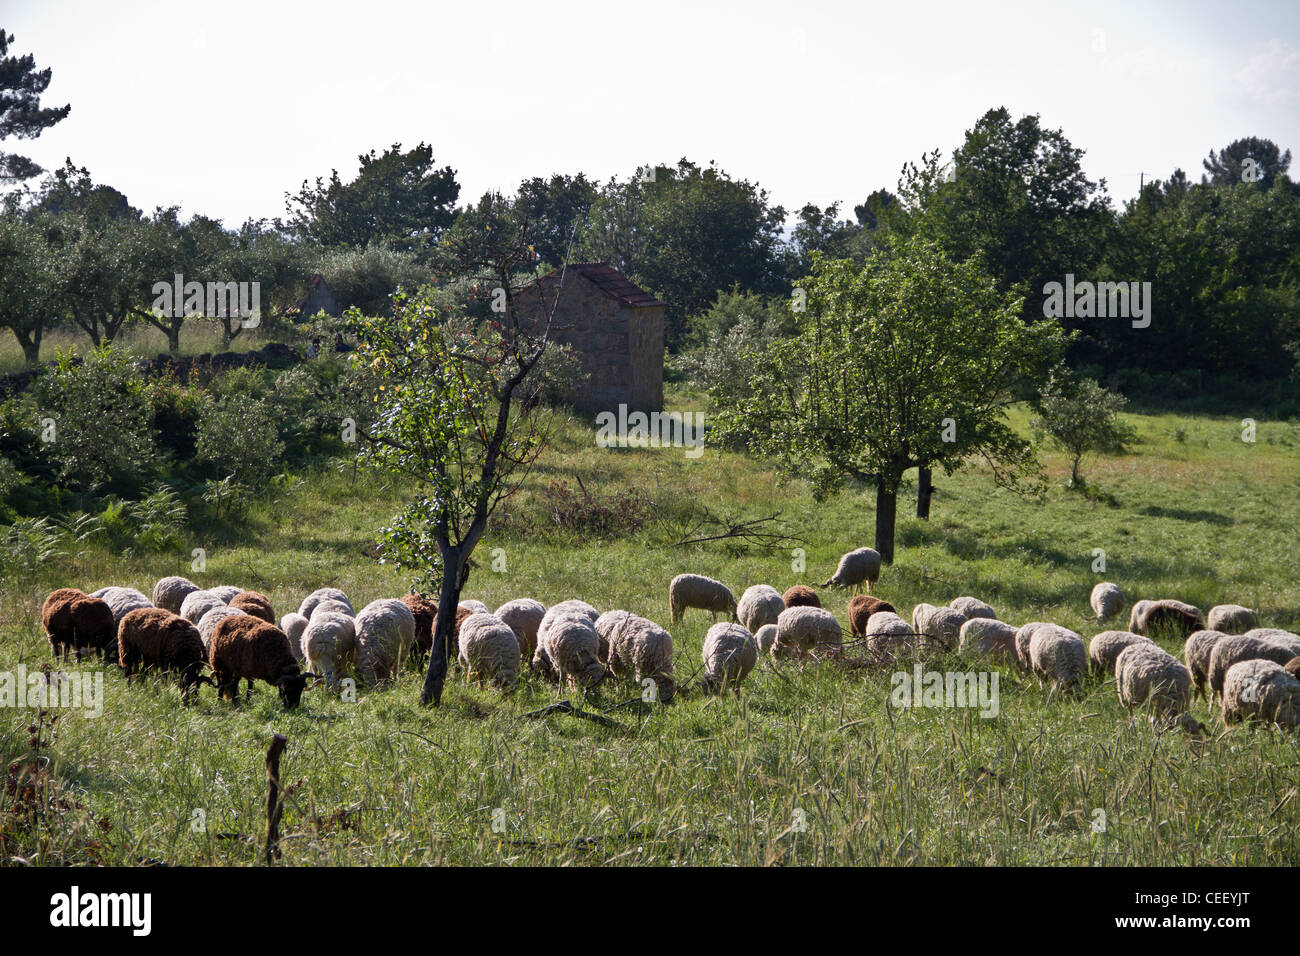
800	595
453	640
254	603
1292	667
426	612
861	607
248	648
75	620
155	637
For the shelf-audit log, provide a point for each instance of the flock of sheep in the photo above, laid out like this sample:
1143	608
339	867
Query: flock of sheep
182	628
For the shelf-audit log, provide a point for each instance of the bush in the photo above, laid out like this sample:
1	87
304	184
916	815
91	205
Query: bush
175	410
238	439
1079	416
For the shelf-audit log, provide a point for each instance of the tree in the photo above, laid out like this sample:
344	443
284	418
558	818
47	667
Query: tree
397	198
1248	160
822	230
908	360
554	209
21	115
1081	417
445	416
27	279
871	213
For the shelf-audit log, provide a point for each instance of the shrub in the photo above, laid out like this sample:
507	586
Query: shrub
1079	416
175	411
238	439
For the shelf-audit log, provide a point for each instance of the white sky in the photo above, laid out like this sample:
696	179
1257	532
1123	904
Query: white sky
224	108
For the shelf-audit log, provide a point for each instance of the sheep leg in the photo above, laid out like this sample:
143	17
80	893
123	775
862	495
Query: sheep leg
249	696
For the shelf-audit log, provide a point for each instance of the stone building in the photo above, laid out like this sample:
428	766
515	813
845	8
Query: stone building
318	298
613	327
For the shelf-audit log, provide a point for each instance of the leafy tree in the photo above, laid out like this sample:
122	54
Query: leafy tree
554	209
238	438
909	360
870	213
27	281
398	198
1079	416
367	278
21	114
822	230
1228	167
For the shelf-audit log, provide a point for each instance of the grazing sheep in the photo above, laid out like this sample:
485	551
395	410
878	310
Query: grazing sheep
1104	648
1292	667
155	637
122	601
802	630
1196	655
573	605
1231	619
1166	617
254	603
861	607
729	654
938	627
1057	655
1267	644
331	606
198	603
293	624
697	591
168	593
567	647
639	649
889	634
453	639
971	607
385	635
987	636
1260	689
226	592
425	612
1146	673
489	650
1023	636
73	620
477	607
327	645
765	638
524	617
247	648
322	594
1107	600
760	604
211	618
856	568
605	626
801	595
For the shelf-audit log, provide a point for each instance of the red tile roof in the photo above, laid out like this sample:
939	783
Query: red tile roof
613	283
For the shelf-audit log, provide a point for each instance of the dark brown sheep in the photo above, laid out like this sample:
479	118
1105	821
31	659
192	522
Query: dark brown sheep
861	607
155	637
75	620
254	603
248	648
1172	618
1292	667
801	596
425	612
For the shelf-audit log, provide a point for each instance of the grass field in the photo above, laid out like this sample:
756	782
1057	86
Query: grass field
1194	513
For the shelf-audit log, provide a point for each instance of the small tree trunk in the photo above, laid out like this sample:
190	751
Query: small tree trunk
1074	472
274	797
173	331
31	346
924	487
886	509
439	654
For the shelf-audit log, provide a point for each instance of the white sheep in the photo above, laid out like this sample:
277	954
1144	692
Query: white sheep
328	645
765	637
567	650
1106	601
1261	690
478	607
331	606
489	650
293	624
385	635
1196	655
122	601
1263	643
1147	674
987	636
1169	615
211	618
729	654
322	594
1136	615
168	593
760	604
524	617
802	630
1057	655
972	607
224	592
1105	647
938	627
1023	636
1231	619
641	650
605	625
198	603
858	567
889	634
697	591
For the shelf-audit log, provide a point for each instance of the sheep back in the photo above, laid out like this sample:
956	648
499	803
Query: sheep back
760	604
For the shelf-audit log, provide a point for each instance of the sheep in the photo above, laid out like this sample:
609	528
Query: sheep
729	654
971	607
198	603
801	630
327	645
1292	667
121	601
1263	690
1231	619
641	650
855	568
168	593
73	620
385	634
567	647
225	592
571	606
254	603
1136	615
765	637
760	604
861	607
987	636
697	591
524	617
322	594
155	637
605	626
248	648
1175	617
293	624
1023	636
1196	655
937	626
453	639
489	650
801	595
211	618
1106	600
477	607
331	606
1056	654
889	634
1105	648
1262	643
1147	674
425	611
